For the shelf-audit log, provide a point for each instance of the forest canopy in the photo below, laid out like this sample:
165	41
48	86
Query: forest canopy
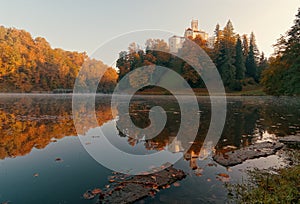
29	64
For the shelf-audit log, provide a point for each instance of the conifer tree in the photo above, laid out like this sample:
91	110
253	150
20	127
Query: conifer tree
245	46
225	63
239	60
251	60
283	76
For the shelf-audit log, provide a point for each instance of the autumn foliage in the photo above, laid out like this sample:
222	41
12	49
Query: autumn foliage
30	64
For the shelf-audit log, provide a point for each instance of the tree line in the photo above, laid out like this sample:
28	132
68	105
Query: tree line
236	57
283	75
30	64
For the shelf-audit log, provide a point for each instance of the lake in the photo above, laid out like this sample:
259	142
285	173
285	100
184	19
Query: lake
43	161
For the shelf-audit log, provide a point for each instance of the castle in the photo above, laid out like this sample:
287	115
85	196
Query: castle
176	42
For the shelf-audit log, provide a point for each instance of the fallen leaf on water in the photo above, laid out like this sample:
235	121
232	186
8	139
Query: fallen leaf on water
88	195
176	184
96	191
223	175
58	159
223	179
211	164
35	175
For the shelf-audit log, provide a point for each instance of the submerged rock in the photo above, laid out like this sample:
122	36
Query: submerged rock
137	187
253	151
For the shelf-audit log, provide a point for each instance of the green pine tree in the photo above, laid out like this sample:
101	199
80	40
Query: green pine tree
251	60
239	60
283	76
225	61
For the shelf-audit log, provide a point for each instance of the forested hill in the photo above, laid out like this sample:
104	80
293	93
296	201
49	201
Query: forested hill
30	64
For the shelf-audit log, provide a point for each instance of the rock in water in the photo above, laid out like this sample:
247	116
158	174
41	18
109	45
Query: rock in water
253	151
140	186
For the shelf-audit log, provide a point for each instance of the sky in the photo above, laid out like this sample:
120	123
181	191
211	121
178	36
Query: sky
84	25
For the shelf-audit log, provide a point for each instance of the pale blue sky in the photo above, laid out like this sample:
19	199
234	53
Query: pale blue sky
83	25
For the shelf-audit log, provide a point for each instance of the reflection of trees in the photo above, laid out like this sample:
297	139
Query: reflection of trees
35	121
247	120
139	114
282	117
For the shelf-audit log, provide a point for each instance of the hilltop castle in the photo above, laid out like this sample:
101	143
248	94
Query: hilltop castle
176	42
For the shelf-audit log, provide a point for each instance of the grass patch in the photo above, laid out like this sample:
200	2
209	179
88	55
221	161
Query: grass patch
264	186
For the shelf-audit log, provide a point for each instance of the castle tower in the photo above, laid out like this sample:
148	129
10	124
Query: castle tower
194	25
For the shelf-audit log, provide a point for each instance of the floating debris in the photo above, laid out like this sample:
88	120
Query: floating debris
96	191
58	159
35	175
211	164
223	177
88	195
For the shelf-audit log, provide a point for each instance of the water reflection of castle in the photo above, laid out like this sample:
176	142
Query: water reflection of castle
176	146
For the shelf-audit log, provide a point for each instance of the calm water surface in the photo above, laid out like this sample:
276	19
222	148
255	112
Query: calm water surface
43	161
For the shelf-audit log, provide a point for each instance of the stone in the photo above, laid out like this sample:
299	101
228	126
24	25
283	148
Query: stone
141	186
238	156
